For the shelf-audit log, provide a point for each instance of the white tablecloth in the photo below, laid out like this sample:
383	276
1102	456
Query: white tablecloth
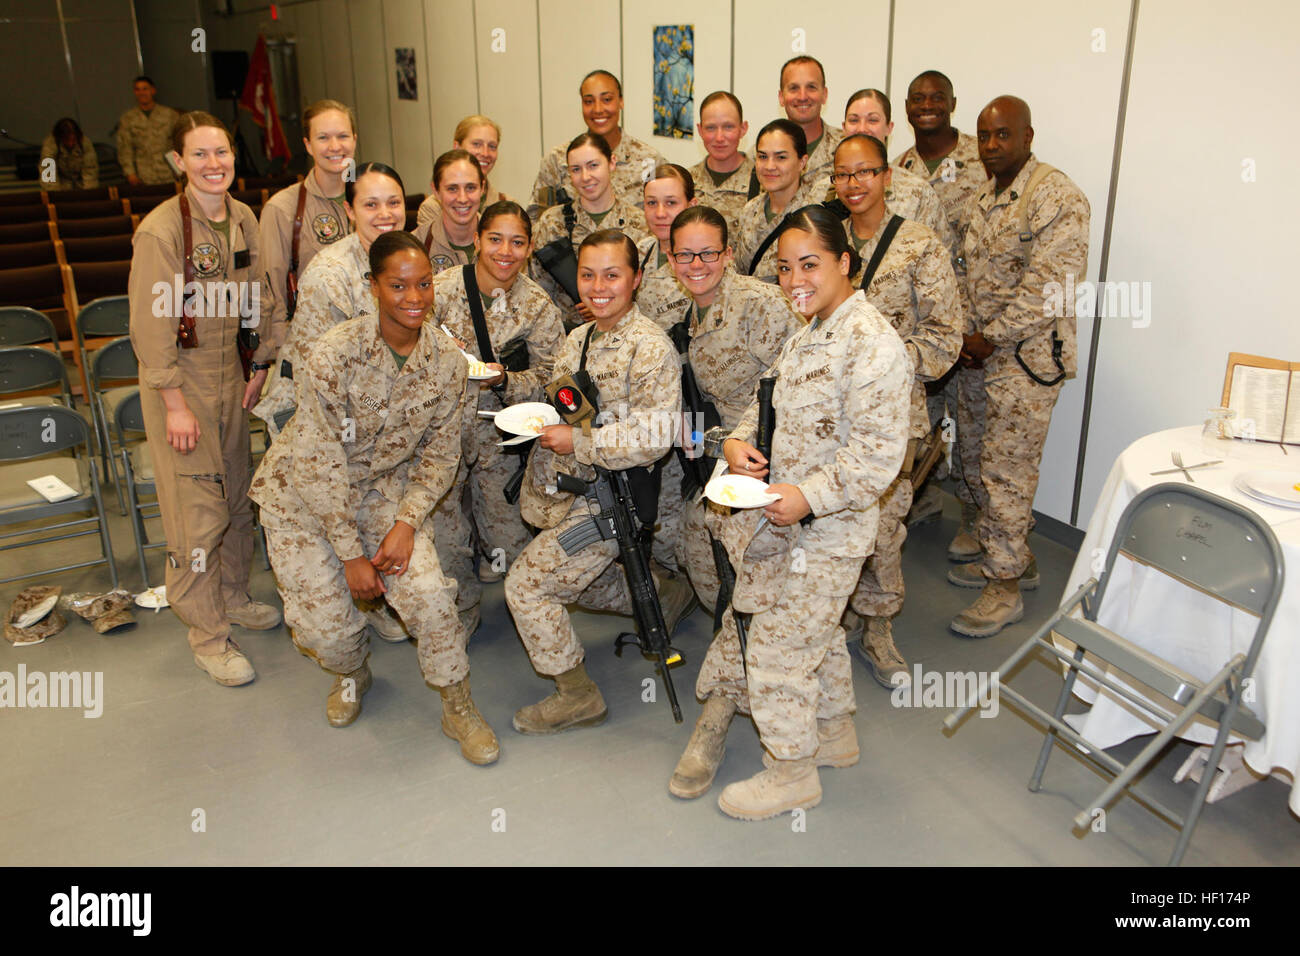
1189	628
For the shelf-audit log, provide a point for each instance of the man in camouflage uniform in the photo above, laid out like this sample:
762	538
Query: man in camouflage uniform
949	160
1022	351
637	375
144	137
802	94
841	405
522	312
634	161
371	445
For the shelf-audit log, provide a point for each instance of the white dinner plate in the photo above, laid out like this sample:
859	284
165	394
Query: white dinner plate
527	418
739	491
1271	487
153	598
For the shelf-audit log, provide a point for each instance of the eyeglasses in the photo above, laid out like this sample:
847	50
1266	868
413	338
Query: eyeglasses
859	176
686	258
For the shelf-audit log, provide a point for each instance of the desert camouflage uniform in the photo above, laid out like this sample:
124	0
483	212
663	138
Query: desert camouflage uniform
915	289
369	445
729	198
755	227
821	159
143	140
442	254
324	223
551	226
956	179
334	288
636	372
634	161
523	312
841	404
202	495
738	339
76	168
663	301
1000	460
431	208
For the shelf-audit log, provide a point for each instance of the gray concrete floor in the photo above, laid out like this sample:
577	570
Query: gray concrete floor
275	784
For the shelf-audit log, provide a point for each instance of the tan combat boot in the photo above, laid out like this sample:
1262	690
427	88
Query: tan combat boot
676	596
343	705
703	755
575	703
255	616
789	785
837	744
230	668
462	721
966	547
927	507
972	575
887	665
383	620
997	606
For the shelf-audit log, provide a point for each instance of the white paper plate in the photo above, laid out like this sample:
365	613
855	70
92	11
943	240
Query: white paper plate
524	418
517	440
153	598
739	491
482	376
1271	487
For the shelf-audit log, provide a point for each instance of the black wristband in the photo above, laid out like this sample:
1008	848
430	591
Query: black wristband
259	366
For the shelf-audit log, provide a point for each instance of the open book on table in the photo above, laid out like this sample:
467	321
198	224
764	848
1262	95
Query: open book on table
1265	394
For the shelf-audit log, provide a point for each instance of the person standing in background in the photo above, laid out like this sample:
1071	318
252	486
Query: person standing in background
301	220
780	158
481	138
75	164
1028	228
193	396
144	135
448	237
802	95
912	286
596	206
602	108
724	179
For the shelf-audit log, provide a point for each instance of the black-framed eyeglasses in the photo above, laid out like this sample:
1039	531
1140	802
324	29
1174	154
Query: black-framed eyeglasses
859	176
686	258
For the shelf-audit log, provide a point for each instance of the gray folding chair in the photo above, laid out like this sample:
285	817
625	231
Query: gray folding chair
20	325
114	373
27	368
137	474
1202	541
34	442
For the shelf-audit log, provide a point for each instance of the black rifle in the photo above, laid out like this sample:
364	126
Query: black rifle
612	493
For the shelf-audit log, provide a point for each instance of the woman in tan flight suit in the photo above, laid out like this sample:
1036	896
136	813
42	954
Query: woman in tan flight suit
301	220
448	237
193	393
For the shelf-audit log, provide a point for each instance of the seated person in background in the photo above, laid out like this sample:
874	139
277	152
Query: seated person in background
602	107
75	165
346	488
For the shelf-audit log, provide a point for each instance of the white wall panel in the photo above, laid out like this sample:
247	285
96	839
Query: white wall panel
712	22
576	37
1073	92
452	83
409	126
372	67
1218	251
507	83
850	39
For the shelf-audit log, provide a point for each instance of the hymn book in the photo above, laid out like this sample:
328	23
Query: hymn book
1265	394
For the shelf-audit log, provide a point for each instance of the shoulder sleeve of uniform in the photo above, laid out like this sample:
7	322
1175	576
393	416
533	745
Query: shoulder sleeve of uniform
937	338
153	291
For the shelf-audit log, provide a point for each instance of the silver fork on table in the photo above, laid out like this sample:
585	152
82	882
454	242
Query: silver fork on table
1177	457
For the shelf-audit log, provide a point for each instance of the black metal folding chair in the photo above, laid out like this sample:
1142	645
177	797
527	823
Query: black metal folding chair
137	474
34	442
114	373
1202	541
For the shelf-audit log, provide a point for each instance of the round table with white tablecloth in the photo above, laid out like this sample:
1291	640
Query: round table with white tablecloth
1190	629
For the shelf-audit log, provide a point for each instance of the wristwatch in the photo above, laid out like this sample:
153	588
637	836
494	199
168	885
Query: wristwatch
259	366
